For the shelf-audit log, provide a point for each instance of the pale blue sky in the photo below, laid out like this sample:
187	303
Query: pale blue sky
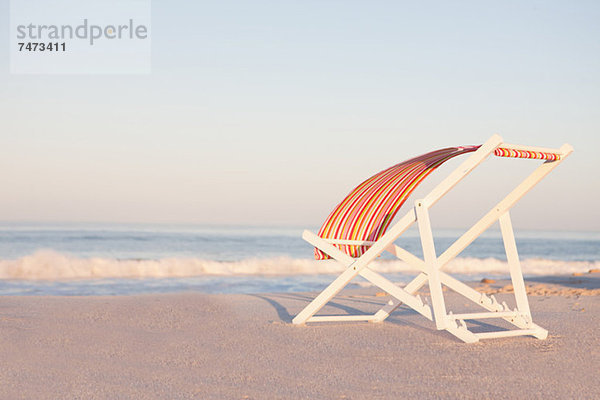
269	112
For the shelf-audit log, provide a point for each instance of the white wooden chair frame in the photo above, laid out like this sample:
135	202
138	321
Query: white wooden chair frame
431	266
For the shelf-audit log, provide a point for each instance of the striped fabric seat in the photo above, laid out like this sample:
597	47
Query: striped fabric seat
369	209
366	213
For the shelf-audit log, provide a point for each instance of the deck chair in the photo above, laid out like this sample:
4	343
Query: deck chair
358	230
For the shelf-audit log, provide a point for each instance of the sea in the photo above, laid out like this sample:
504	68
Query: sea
131	259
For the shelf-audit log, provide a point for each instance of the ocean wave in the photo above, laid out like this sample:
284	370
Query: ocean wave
52	265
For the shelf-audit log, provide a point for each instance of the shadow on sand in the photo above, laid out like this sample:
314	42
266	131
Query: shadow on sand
585	281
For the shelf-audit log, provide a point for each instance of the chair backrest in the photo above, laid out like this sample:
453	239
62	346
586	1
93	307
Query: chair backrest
366	213
368	210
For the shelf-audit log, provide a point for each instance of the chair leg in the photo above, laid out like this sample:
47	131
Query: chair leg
514	264
400	295
435	285
326	295
516	274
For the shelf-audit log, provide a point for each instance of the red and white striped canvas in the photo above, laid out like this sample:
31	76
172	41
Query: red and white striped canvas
368	210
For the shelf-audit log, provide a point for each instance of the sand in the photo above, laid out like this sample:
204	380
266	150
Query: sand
191	345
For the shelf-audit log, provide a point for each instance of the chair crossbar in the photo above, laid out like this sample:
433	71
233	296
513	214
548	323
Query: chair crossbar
400	294
498	314
407	257
502	334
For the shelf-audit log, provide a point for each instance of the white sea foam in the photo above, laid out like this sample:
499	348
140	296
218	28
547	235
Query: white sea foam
51	265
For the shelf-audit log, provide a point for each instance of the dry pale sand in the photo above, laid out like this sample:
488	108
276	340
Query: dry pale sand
244	346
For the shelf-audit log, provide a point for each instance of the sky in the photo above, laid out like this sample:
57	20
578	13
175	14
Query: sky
270	112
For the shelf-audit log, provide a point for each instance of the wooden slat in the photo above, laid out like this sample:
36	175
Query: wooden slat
501	334
483	315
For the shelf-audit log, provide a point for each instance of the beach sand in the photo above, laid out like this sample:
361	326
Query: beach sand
179	346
